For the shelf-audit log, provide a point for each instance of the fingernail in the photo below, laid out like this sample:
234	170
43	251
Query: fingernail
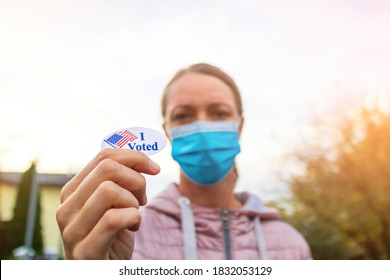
154	166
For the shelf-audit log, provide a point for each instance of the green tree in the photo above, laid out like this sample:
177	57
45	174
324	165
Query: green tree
14	230
341	201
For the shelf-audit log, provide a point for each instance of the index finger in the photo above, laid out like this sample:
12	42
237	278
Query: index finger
132	159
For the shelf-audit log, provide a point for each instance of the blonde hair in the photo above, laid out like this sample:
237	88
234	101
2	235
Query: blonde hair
207	69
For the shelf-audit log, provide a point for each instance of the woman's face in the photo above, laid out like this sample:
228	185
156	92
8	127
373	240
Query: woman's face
199	97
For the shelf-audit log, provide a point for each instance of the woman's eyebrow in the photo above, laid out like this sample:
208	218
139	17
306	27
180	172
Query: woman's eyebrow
220	104
180	107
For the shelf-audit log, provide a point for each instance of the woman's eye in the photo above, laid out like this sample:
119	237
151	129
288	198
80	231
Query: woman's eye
181	117
221	114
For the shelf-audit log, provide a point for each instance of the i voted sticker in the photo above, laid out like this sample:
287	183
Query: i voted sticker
142	139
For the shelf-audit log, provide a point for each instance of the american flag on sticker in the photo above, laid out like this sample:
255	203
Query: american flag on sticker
120	138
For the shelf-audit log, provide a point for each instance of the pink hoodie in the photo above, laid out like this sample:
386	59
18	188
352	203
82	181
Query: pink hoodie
253	232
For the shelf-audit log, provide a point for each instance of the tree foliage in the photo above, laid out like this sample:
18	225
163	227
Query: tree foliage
341	201
13	232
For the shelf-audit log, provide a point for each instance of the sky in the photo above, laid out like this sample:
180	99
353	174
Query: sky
72	72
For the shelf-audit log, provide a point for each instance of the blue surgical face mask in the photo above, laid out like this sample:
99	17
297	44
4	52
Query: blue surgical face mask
206	150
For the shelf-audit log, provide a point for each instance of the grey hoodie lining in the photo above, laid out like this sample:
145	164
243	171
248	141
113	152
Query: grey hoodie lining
189	231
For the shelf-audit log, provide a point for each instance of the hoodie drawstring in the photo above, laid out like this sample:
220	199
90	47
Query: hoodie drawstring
260	239
188	229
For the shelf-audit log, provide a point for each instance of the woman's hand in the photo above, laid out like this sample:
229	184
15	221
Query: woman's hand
99	206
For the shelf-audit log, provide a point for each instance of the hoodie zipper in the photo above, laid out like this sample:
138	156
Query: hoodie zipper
226	233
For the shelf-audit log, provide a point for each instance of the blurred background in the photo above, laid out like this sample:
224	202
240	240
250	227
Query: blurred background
314	76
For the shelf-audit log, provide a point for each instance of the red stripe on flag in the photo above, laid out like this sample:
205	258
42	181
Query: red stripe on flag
127	137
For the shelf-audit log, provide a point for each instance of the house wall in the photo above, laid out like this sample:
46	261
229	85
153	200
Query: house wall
50	200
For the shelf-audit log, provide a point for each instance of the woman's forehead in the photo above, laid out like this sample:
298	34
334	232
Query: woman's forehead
195	86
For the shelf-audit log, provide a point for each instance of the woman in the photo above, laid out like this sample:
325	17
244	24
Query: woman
198	218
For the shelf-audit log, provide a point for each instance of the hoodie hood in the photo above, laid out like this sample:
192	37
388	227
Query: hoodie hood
174	228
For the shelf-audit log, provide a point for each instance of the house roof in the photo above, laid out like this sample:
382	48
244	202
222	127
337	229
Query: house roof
47	179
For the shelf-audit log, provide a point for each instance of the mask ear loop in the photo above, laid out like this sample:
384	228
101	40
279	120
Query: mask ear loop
240	124
235	174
